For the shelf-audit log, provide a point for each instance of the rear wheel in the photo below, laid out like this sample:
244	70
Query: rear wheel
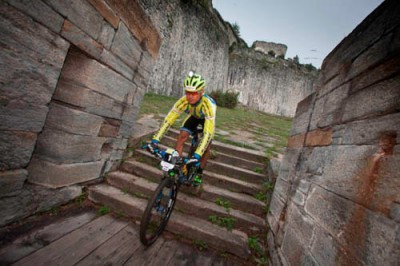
158	211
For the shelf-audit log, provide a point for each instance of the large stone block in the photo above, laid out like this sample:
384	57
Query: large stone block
92	102
106	11
40	12
324	248
107	35
81	13
377	99
303	114
81	39
33	199
319	137
11	182
126	47
382	71
139	24
73	121
61	147
117	64
29	75
368	131
23	116
97	77
52	175
16	149
295	250
354	173
327	110
368	236
299	222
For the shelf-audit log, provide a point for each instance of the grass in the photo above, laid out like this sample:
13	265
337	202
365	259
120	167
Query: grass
223	203
260	124
227	222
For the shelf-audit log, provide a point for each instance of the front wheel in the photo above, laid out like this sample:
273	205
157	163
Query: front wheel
158	211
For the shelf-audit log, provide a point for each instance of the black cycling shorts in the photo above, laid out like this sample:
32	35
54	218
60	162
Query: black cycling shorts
190	124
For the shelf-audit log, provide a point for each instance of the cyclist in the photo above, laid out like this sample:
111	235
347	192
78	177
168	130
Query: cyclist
201	109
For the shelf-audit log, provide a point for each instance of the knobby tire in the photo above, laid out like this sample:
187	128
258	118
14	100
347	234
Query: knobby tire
147	215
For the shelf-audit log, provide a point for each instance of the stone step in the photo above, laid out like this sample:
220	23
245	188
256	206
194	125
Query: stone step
247	154
223	157
209	192
216	167
235	242
232	184
194	206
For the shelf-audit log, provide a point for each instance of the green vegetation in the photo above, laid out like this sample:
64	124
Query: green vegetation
258	251
200	244
227	222
236	28
223	203
226	99
104	210
80	199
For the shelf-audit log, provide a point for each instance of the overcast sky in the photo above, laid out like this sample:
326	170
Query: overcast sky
310	28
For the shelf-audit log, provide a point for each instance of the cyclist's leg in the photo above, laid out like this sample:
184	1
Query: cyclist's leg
204	158
180	142
186	130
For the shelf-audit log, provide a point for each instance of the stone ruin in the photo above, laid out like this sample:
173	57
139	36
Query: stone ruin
271	48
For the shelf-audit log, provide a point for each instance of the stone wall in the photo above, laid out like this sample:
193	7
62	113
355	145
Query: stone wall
195	37
73	74
268	84
337	197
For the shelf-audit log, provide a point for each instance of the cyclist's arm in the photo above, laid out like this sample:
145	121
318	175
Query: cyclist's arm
209	127
169	120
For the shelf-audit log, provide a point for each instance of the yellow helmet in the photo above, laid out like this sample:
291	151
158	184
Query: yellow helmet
194	82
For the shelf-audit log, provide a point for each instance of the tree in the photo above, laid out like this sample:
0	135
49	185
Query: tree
296	59
236	29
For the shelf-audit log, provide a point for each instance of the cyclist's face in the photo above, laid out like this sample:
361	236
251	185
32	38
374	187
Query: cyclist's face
193	97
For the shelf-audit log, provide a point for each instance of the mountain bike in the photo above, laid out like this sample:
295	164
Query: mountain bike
161	204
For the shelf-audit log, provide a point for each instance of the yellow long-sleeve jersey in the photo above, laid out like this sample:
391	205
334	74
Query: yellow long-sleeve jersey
206	108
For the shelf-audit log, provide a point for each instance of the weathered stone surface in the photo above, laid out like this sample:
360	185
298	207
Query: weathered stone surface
375	100
296	141
35	199
382	71
294	249
319	137
11	182
16	148
370	237
61	147
91	101
73	121
139	24
288	164
52	175
35	71
106	11
367	131
126	47
97	77
301	224
40	12
81	39
109	129
282	188
324	248
117	64
107	35
303	114
327	108
23	116
80	13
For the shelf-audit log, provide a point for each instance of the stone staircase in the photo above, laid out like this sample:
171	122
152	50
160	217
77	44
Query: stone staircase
231	180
